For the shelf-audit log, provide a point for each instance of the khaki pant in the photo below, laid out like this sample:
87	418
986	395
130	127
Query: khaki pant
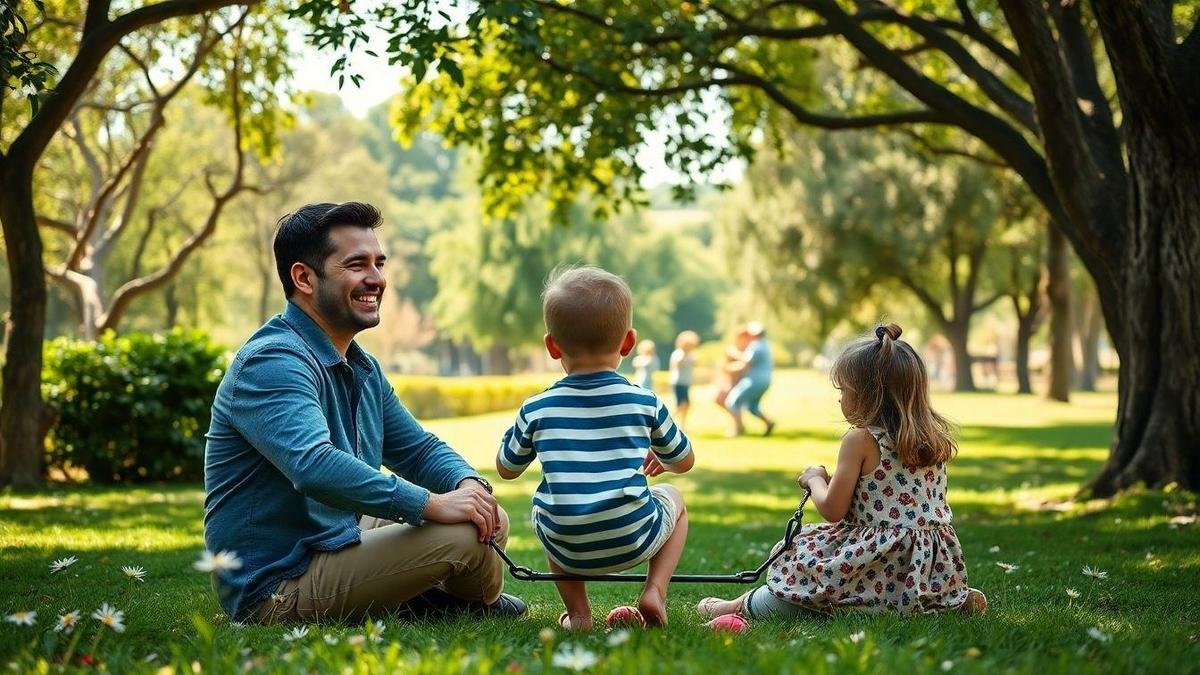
392	564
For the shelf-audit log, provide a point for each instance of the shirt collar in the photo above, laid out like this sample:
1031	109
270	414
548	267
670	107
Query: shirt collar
318	340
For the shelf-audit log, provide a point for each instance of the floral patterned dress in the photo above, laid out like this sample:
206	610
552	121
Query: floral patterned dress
894	551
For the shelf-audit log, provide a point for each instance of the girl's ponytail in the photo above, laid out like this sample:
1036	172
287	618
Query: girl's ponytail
888	387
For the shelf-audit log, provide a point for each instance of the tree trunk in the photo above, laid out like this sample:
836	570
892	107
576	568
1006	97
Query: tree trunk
1025	329
499	359
1058	291
172	306
1088	329
957	333
23	415
1157	435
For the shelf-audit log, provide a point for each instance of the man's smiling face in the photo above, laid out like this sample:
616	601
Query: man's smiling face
351	285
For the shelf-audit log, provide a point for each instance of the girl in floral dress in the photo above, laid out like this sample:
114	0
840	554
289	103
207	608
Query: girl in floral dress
889	544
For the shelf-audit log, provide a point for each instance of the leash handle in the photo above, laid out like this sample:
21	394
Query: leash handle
522	573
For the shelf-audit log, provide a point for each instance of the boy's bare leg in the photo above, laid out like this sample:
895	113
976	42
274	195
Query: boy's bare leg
653	602
574	597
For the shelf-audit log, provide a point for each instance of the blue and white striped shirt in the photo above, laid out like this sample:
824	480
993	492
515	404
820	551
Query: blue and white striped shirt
593	511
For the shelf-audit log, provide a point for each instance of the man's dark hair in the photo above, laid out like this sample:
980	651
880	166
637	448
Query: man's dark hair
303	235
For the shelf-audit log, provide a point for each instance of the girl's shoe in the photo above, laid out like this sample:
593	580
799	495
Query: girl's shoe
976	602
707	607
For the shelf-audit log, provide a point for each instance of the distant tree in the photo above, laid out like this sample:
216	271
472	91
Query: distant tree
50	96
841	218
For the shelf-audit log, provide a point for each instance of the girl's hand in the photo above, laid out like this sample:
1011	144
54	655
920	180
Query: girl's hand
811	473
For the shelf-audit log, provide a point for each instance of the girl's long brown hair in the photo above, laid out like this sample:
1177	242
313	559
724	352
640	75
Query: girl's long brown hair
889	388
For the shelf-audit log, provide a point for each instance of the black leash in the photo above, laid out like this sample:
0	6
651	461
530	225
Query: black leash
522	573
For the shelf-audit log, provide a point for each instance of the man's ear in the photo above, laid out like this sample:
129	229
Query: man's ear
304	278
628	343
552	347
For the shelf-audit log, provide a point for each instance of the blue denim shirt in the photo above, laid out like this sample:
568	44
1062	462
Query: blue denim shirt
297	438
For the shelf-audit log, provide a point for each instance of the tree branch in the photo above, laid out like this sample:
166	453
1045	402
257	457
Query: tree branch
923	295
134	288
58	225
947	151
29	144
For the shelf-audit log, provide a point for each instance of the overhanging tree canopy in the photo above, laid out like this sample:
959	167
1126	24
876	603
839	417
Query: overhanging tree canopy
561	95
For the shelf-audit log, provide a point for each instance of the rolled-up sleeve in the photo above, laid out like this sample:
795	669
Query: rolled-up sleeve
416	454
276	396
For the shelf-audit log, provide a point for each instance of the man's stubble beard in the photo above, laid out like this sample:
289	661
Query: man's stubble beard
336	311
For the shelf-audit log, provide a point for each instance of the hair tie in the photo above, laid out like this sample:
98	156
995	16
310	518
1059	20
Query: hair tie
880	331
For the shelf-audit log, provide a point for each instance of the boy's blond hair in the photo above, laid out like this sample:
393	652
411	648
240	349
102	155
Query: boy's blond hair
587	310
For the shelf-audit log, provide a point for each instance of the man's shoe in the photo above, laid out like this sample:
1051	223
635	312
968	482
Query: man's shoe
509	606
436	603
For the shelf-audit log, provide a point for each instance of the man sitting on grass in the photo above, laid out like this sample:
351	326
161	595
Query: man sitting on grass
302	421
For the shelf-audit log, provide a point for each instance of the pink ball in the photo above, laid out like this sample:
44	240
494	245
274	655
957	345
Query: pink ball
729	623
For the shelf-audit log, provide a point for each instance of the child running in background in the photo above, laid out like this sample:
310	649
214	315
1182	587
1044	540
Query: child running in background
681	367
730	370
598	438
889	544
645	363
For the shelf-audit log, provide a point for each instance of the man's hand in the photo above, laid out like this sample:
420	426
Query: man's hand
652	467
470	503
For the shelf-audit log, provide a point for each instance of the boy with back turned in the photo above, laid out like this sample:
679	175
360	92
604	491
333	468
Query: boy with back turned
598	438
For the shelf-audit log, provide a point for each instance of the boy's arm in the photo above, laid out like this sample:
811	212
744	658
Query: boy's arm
833	497
670	449
516	450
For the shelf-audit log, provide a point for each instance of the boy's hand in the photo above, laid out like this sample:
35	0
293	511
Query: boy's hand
652	467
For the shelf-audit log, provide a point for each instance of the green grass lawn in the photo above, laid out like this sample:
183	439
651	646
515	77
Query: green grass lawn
1021	461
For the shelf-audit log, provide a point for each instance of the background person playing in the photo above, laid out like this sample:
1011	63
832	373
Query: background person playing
889	544
681	367
645	364
598	437
754	368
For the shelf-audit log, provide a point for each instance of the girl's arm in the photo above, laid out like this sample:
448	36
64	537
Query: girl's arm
833	497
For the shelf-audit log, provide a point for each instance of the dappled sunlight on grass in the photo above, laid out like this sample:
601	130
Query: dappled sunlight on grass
1022	461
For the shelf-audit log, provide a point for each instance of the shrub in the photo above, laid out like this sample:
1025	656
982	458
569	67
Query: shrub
132	408
432	397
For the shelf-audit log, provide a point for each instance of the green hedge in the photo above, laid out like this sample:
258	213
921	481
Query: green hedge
132	408
432	397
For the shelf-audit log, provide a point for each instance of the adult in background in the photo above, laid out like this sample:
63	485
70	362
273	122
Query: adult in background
754	368
301	424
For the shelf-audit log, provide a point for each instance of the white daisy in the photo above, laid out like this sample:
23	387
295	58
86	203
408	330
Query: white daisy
134	573
1094	573
297	633
222	561
330	639
858	637
356	640
374	632
110	616
618	638
994	549
1098	635
574	657
62	564
22	618
1008	567
66	622
1072	593
947	665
